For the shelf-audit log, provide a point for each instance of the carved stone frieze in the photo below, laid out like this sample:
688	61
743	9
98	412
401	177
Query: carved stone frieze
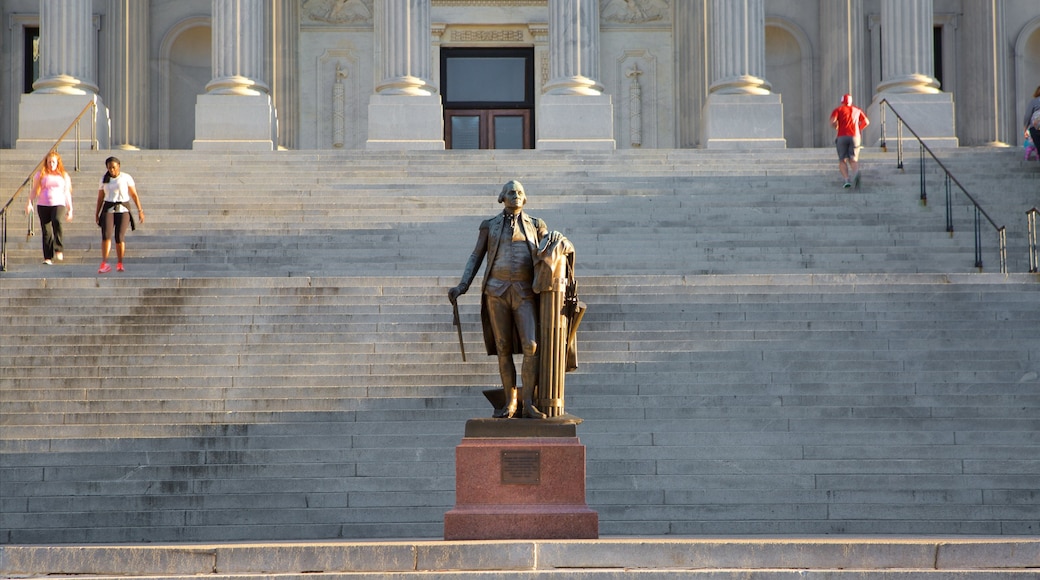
476	35
634	11
338	11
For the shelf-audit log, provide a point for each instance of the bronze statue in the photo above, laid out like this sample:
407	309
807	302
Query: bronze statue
524	260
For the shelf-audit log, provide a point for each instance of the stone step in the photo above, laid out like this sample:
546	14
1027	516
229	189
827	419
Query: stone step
766	558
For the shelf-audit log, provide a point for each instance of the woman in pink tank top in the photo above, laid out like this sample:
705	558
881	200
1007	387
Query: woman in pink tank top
52	193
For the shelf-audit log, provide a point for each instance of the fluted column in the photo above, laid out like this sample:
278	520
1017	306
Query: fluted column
741	110
981	103
238	48
236	112
574	112
125	84
405	112
574	48
690	33
906	47
68	78
405	34
738	47
67	48
845	69
283	68
908	81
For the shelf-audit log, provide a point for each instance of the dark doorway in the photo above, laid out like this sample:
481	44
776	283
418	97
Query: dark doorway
31	65
488	98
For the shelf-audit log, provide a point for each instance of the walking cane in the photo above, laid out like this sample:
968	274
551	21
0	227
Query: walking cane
32	228
458	327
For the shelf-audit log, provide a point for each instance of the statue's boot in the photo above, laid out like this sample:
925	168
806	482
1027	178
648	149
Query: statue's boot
529	373
509	409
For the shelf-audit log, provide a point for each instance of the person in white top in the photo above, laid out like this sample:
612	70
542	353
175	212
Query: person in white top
52	192
117	189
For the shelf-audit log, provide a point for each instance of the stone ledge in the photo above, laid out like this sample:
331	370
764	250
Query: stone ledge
957	556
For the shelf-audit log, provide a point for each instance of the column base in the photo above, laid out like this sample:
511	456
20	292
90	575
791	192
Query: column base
402	122
517	488
743	122
234	123
576	122
930	116
43	117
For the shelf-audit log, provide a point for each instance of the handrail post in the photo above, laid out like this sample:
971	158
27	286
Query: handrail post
3	240
899	145
1002	242
978	239
924	189
884	144
1031	238
949	205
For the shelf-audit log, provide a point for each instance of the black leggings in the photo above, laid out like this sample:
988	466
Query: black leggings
51	219
114	223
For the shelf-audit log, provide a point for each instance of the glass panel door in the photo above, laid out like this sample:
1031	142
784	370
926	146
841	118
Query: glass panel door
465	131
488	98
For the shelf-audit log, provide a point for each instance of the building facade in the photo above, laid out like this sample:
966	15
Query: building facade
545	74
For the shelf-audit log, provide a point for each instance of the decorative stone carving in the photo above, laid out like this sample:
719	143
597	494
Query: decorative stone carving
337	118
635	106
634	11
338	107
339	11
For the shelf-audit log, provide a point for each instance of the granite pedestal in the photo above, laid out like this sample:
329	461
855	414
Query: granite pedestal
520	479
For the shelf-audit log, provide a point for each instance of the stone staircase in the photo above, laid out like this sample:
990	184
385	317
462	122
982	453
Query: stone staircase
765	354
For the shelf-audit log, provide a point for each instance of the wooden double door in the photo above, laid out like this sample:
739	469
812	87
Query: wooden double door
488	98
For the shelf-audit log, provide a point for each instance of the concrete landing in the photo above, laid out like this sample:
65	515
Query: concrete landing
961	558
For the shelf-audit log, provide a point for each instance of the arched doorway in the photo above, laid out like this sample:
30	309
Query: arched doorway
187	70
789	70
1027	71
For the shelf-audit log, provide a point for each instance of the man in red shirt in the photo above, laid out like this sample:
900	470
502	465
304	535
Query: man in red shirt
849	120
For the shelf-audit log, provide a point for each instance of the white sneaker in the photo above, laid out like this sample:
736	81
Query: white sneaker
48	262
59	256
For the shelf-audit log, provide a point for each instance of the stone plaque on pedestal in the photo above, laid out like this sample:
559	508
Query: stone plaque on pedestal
520	479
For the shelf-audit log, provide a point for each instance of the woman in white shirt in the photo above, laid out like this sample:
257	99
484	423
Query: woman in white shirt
117	189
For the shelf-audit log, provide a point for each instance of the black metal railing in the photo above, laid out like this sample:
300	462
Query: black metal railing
949	181
91	106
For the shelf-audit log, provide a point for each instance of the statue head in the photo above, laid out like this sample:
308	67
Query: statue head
510	186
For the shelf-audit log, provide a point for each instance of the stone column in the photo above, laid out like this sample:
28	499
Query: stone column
741	110
981	104
691	55
574	113
907	77
125	82
405	112
845	70
236	112
283	69
68	79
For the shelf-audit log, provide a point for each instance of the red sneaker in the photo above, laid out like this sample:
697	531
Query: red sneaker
104	269
119	267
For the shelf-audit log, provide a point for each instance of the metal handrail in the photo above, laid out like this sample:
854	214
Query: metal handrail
92	105
950	180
